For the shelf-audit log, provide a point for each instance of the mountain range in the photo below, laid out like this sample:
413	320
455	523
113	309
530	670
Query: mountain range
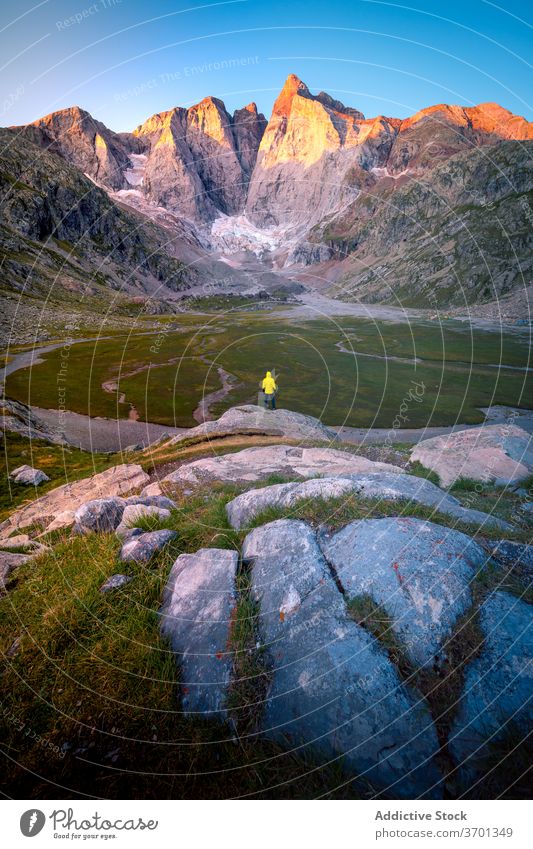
434	208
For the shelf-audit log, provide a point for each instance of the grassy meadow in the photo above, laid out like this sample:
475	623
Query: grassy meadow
346	371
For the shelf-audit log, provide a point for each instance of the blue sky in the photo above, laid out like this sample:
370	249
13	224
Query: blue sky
124	60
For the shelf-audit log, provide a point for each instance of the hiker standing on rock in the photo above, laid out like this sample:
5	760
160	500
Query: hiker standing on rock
269	387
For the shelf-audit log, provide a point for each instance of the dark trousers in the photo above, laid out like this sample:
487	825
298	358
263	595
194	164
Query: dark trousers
272	399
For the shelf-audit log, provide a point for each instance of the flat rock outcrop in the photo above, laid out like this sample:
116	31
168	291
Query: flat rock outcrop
333	687
255	464
382	485
196	617
498	453
420	573
252	419
496	700
116	481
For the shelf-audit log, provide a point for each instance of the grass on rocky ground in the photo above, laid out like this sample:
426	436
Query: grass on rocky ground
335	513
90	703
90	690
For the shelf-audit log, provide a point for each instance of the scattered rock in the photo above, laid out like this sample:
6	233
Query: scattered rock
418	572
499	453
243	509
141	547
100	515
28	475
116	481
9	561
252	419
17	541
197	610
115	582
130	533
133	512
334	688
254	464
497	690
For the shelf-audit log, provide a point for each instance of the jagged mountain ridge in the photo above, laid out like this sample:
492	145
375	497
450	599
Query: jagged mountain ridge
318	173
301	166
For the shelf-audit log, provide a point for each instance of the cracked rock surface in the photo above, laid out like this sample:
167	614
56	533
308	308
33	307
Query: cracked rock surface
254	464
420	573
333	686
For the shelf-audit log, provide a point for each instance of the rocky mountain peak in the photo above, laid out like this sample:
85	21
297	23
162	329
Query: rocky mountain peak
293	86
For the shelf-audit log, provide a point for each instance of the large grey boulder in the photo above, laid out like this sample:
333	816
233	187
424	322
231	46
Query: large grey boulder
497	695
102	515
499	453
381	485
196	617
133	512
253	419
64	500
420	573
28	475
142	547
254	464
334	689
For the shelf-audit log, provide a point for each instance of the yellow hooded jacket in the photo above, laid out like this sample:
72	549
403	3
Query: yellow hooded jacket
269	384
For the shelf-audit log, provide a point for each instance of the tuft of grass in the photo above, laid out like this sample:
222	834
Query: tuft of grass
465	484
375	619
495	576
250	674
61	464
420	471
335	513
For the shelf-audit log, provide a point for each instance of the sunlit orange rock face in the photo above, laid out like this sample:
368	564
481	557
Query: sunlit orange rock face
316	152
84	142
200	159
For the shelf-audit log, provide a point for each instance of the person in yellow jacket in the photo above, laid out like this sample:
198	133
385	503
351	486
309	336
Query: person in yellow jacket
269	387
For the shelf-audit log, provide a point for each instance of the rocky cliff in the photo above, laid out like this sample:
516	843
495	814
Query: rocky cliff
199	160
83	142
316	155
460	234
407	198
59	231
